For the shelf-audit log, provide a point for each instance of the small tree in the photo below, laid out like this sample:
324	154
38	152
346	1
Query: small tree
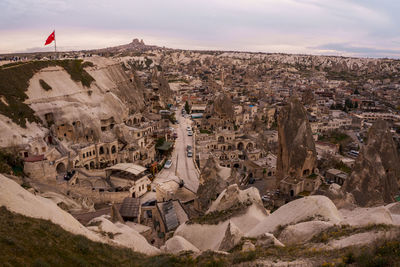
187	107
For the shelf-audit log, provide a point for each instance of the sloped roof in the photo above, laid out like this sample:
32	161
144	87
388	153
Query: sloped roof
34	158
166	146
128	167
130	207
171	219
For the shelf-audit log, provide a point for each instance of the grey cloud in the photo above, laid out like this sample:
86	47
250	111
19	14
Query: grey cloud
359	50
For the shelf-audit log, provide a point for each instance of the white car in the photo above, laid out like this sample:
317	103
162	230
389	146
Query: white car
189	128
189	154
190	133
168	164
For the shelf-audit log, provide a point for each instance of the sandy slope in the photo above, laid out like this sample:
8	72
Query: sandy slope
18	200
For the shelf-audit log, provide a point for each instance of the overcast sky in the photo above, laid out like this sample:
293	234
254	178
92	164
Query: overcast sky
368	28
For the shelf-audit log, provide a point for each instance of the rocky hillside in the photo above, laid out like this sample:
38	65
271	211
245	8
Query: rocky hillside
37	93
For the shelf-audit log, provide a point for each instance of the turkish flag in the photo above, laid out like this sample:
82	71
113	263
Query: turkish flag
51	38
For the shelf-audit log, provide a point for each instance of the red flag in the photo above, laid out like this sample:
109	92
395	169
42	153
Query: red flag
51	38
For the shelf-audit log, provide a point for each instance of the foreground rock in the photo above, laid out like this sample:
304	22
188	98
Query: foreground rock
374	180
19	200
268	240
122	234
213	180
211	236
234	196
304	209
177	244
367	216
232	237
303	232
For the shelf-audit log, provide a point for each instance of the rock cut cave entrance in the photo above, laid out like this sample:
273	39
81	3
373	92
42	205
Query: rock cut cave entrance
60	168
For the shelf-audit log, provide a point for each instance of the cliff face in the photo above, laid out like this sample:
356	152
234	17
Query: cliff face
374	180
112	93
160	82
296	148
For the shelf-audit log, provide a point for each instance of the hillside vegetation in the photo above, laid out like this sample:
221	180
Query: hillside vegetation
27	241
14	82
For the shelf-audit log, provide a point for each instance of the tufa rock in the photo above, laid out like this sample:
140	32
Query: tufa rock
211	184
232	237
115	215
307	97
374	180
232	196
222	107
268	240
296	148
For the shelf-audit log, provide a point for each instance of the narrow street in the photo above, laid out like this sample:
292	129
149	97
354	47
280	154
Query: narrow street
182	166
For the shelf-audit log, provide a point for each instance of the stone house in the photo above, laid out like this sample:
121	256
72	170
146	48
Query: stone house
336	176
130	177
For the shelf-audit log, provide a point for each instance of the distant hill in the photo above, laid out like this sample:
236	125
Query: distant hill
135	45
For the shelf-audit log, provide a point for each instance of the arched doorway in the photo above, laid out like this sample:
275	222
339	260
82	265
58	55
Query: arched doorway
91	165
240	146
291	193
60	168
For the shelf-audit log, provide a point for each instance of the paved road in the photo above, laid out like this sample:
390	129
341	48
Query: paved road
182	166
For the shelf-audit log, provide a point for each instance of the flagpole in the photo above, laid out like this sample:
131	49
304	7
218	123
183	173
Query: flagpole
55	44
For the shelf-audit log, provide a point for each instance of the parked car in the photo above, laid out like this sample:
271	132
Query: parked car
190	133
168	164
188	148
189	128
190	154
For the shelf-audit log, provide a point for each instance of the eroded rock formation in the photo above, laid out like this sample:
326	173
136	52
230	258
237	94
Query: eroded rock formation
211	184
374	180
296	148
